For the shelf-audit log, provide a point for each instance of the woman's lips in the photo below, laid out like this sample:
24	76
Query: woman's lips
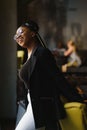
20	40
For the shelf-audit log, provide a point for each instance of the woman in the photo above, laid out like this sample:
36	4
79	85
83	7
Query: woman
73	57
43	82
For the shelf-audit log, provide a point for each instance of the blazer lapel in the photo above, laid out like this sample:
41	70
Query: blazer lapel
32	63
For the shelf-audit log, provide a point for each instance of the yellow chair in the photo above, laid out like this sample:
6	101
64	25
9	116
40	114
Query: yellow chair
76	117
20	57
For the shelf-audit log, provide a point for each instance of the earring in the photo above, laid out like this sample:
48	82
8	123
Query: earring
33	35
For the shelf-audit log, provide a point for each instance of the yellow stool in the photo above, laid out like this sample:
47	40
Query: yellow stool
76	117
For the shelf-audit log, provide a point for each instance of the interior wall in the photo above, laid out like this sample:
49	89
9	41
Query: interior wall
58	20
76	27
8	23
50	15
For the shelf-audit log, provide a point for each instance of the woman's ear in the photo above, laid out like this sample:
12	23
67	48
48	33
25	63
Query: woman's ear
33	34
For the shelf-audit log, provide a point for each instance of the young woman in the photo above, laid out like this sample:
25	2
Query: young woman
43	81
73	57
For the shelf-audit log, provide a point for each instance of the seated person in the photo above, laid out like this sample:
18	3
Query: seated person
60	49
73	58
58	53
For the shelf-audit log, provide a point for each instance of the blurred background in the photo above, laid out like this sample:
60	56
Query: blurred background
59	20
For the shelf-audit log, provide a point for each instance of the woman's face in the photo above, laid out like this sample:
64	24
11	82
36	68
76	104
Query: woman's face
24	36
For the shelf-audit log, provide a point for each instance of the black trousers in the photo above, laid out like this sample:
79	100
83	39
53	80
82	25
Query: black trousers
53	126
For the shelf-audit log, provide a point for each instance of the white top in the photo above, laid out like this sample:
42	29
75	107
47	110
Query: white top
74	58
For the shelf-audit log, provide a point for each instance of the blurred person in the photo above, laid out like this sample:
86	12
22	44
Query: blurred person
58	53
60	49
73	57
44	83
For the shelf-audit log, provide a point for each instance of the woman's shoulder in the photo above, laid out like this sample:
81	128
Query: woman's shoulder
42	50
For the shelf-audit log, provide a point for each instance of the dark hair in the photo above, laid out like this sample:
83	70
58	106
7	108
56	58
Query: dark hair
33	26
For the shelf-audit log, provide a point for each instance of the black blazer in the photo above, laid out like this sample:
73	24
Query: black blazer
46	83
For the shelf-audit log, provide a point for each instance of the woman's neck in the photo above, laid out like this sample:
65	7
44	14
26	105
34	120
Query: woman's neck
29	54
30	49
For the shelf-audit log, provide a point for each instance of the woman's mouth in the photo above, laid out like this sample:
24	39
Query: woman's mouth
20	40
